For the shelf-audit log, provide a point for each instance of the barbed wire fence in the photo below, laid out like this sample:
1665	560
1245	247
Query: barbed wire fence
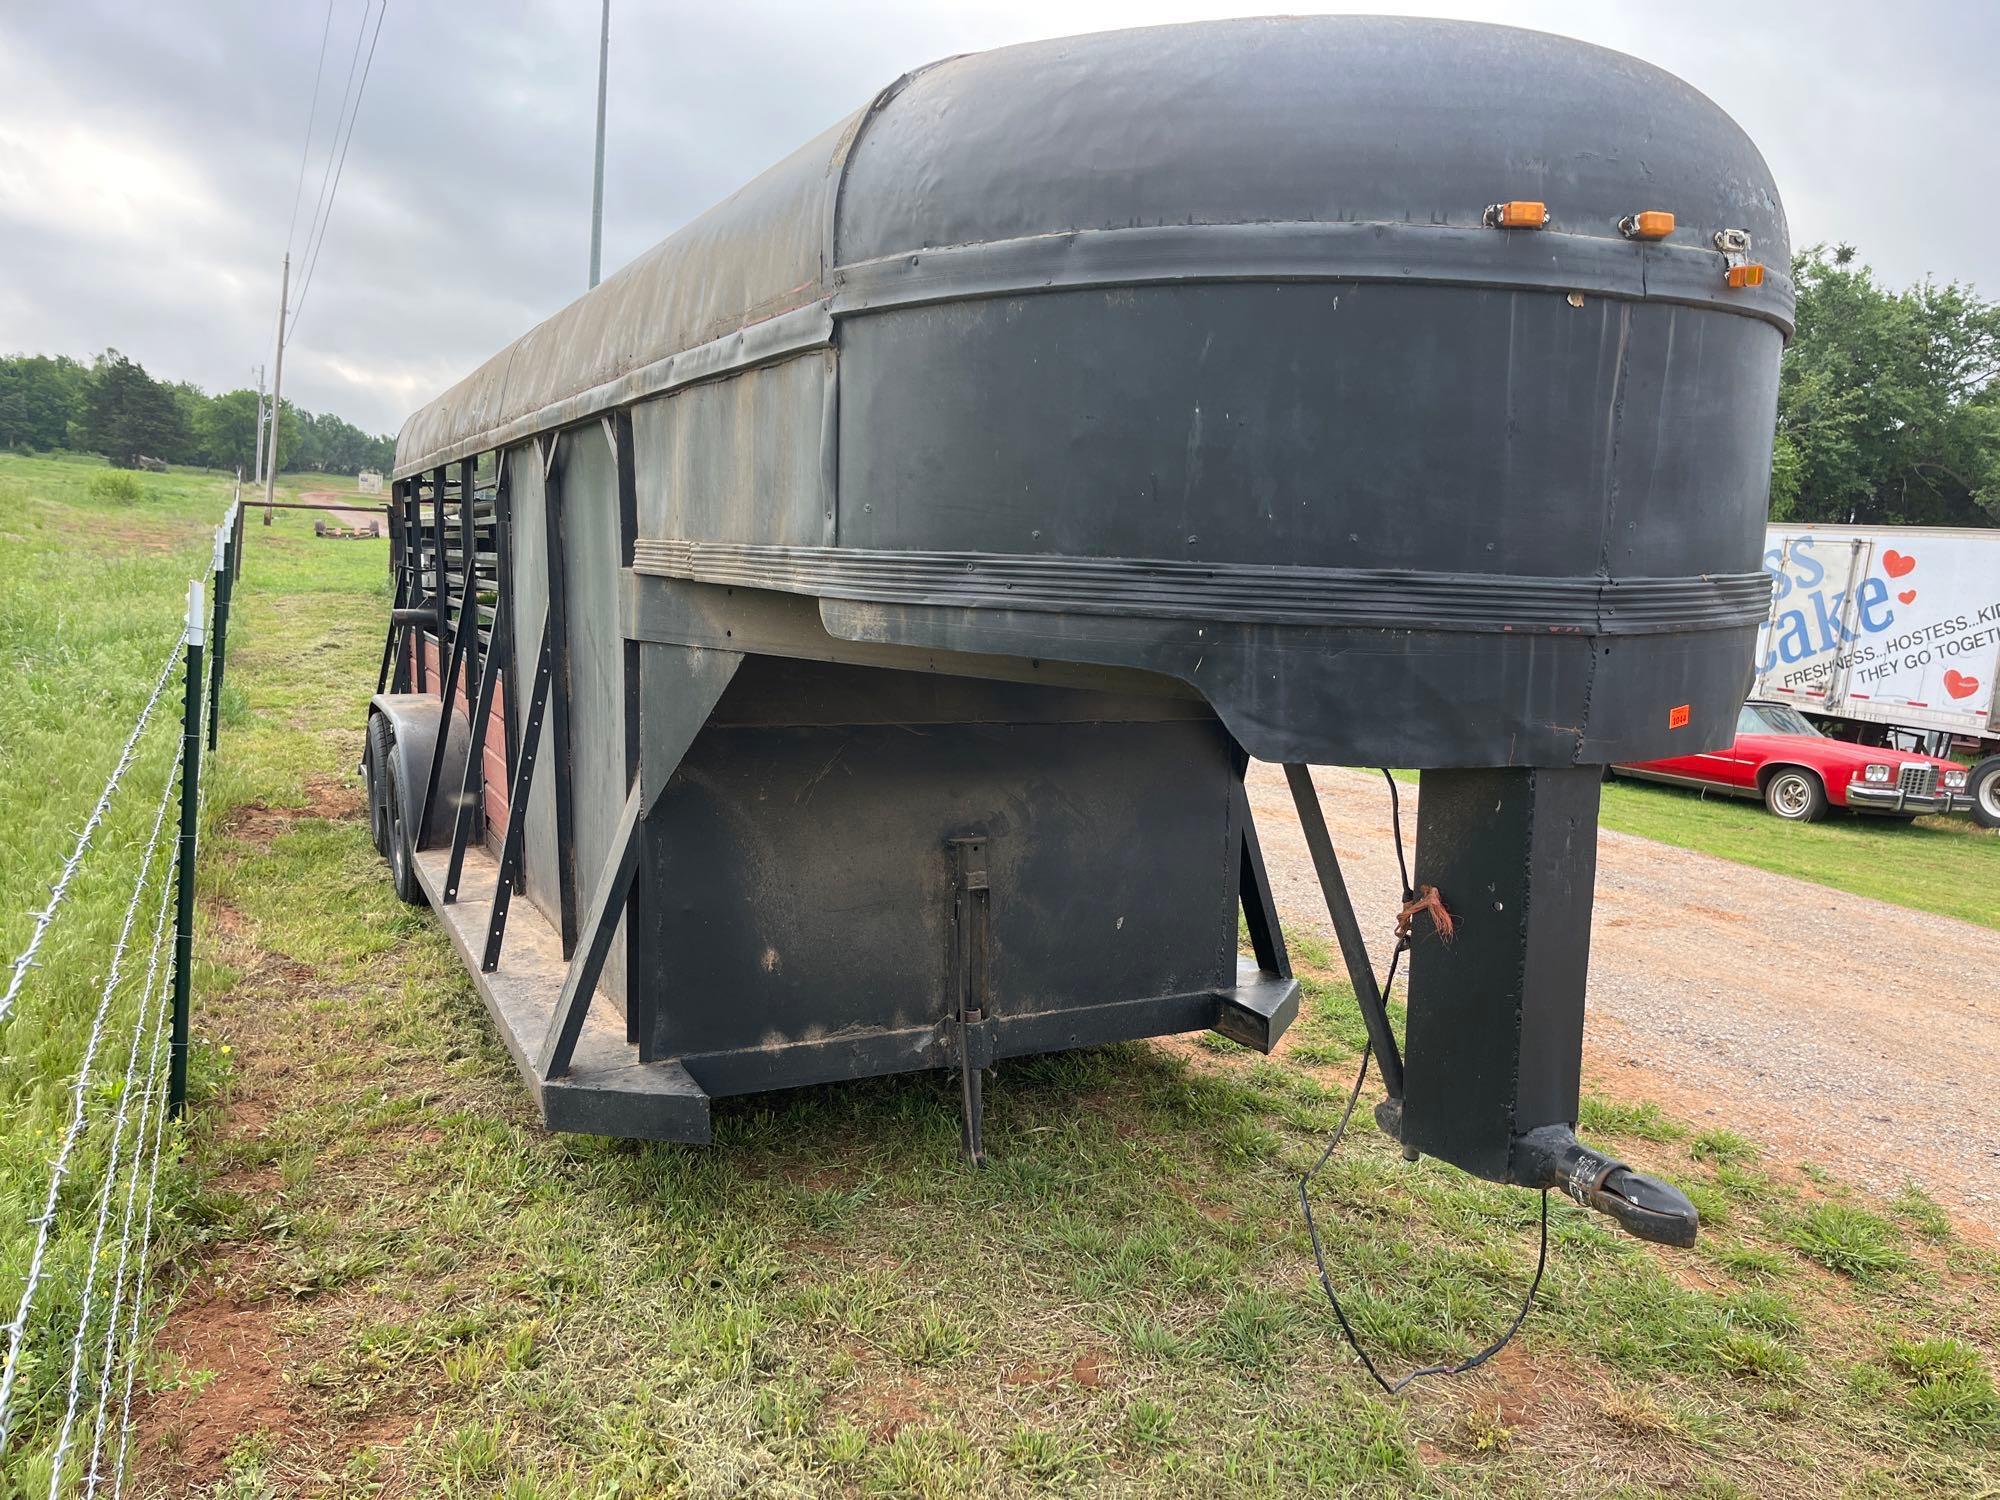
68	1380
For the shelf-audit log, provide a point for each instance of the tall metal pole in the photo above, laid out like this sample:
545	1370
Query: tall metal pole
278	387
184	871
257	473
597	182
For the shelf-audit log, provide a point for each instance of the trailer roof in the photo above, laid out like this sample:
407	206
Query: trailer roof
1310	148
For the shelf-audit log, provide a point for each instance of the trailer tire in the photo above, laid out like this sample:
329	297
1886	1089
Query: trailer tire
1796	795
402	848
1983	786
376	760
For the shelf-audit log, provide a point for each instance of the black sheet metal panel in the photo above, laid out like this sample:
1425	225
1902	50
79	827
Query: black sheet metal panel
597	706
804	840
1495	1032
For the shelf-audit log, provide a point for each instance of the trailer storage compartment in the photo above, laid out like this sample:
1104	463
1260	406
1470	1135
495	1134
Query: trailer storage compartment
877	589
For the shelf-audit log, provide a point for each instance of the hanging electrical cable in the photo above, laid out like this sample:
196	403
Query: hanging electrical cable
1412	902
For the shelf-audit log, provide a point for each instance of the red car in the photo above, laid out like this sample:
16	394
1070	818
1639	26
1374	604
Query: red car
1800	773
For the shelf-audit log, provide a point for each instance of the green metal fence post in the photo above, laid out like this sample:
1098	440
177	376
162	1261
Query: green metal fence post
184	872
224	547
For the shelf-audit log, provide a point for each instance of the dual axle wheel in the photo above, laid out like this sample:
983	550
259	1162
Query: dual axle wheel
387	798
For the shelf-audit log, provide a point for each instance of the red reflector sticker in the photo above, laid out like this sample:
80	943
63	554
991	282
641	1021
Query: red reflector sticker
1677	718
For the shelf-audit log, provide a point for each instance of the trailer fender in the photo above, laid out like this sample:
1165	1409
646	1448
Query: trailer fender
414	718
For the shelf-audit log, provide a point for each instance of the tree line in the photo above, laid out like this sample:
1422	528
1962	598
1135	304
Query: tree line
113	407
1888	405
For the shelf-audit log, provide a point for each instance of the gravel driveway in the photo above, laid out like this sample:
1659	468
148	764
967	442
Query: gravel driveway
1832	1028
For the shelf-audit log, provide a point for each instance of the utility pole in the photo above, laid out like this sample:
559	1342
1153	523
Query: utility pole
597	186
278	386
257	473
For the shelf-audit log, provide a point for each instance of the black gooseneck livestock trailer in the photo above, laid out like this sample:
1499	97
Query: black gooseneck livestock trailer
833	645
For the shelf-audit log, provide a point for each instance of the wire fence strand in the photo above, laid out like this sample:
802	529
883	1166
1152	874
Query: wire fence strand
47	914
79	1096
87	1306
107	1360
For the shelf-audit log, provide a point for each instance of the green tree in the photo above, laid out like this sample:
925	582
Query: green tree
291	434
191	402
1888	410
227	431
39	398
127	413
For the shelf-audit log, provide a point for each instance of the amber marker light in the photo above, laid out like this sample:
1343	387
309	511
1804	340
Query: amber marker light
1647	224
1520	213
1748	274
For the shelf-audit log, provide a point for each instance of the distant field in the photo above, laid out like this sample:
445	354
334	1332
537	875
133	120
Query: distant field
388	1281
1945	865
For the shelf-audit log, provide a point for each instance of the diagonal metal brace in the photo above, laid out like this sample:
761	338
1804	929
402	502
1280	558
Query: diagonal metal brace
593	947
1360	973
472	790
517	806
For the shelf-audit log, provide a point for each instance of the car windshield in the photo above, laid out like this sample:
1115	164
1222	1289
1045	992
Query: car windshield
1772	718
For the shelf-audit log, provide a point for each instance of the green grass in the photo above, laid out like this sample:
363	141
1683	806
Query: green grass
826	1301
94	568
1945	865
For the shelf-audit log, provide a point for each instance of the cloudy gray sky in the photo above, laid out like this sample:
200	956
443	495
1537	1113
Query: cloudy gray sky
150	151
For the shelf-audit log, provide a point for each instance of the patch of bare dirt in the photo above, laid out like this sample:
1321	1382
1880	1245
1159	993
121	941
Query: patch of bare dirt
195	1429
1089	1370
326	796
881	1402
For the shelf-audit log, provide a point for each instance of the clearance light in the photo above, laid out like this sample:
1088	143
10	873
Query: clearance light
1520	213
1749	274
1647	224
1876	774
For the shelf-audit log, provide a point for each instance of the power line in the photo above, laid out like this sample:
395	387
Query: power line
333	140
314	247
312	118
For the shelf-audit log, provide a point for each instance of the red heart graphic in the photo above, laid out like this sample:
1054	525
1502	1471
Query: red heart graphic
1895	564
1908	596
1959	685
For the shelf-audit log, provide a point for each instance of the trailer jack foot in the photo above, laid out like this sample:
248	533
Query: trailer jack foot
972	1103
1647	1208
971	1037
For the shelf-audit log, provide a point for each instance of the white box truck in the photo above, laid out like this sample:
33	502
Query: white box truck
1890	635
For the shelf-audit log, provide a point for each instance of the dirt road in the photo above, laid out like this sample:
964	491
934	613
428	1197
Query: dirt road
347	519
1833	1028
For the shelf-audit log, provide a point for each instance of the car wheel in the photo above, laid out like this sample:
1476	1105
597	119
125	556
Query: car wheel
1796	796
1983	786
375	760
